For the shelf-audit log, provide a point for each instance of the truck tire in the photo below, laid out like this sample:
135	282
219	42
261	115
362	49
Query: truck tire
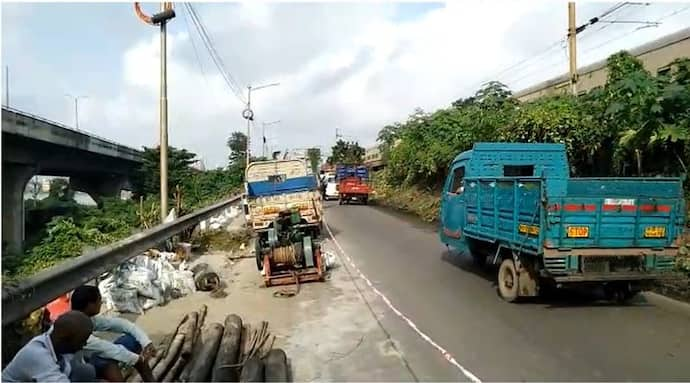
508	281
257	254
365	200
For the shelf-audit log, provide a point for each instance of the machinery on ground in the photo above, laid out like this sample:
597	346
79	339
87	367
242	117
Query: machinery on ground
285	213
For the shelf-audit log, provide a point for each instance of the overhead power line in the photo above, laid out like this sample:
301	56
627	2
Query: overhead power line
657	21
215	57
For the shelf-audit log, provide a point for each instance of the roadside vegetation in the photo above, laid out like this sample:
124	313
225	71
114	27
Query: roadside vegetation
637	124
59	228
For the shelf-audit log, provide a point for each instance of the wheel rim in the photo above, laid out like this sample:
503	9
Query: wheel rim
507	281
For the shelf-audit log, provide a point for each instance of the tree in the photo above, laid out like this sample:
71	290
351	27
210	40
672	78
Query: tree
314	156
346	153
146	179
237	159
34	187
60	190
237	143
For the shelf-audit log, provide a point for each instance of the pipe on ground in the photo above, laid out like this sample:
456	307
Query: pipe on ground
228	351
203	363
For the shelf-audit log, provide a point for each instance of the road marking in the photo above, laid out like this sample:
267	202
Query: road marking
446	355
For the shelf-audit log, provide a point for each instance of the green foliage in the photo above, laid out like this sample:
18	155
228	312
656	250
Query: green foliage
420	149
314	156
636	124
67	236
146	180
346	153
74	227
60	190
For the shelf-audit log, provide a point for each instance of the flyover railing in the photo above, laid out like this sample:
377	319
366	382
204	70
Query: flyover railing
21	299
63	126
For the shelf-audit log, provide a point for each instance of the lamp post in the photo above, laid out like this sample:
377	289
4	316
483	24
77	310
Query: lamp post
248	114
167	13
76	108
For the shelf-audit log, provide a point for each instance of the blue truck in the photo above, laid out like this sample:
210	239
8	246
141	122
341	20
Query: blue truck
515	205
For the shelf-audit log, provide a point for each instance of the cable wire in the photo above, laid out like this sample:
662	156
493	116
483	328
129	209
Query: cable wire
217	60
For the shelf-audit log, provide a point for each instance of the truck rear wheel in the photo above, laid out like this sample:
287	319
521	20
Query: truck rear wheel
257	254
508	281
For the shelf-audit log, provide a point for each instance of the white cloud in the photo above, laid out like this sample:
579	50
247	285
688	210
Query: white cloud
347	66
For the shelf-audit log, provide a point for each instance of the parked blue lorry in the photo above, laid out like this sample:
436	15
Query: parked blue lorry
515	205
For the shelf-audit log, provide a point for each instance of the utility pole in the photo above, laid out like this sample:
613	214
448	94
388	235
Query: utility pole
76	109
248	114
162	19
250	117
572	47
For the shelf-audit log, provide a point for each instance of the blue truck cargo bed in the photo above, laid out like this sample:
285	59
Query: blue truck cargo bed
518	200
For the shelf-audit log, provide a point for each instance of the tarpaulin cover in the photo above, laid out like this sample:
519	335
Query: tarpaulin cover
290	185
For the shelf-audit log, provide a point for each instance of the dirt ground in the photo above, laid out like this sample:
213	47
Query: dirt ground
328	330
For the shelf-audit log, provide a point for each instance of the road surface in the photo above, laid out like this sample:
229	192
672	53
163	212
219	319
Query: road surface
564	337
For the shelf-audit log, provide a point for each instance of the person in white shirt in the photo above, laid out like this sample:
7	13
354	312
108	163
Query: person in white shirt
49	357
132	349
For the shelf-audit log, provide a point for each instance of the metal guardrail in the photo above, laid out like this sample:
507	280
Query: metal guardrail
63	126
20	300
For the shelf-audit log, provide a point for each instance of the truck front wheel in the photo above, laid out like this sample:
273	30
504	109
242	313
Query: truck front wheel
508	281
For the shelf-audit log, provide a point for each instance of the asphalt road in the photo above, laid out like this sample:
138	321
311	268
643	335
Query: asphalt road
567	336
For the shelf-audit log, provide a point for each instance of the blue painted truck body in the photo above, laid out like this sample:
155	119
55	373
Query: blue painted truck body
519	199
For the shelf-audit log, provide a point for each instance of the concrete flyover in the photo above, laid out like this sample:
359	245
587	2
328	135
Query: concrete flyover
32	145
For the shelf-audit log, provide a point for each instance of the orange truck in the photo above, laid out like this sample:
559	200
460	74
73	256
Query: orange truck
353	183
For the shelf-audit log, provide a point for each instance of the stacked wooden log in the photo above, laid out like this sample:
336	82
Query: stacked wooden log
231	352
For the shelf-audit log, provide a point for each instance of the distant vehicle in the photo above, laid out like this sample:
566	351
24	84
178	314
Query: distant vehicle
330	189
516	205
353	183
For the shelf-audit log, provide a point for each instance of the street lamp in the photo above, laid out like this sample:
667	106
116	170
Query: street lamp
161	19
263	135
248	114
76	108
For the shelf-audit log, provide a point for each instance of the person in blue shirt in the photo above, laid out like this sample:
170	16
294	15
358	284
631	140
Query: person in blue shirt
132	349
49	357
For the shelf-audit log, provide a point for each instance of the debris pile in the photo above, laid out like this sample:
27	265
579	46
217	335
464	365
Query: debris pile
146	281
231	352
215	223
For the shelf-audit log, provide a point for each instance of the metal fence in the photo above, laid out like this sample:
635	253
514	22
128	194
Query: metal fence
20	300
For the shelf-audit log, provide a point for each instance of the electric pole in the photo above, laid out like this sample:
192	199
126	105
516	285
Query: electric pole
248	114
572	47
162	19
76	109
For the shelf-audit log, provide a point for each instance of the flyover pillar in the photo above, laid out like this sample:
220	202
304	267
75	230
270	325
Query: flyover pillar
14	180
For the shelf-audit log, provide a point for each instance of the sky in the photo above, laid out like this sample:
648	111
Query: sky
354	66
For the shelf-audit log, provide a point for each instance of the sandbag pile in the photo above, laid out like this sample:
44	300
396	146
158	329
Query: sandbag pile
231	352
146	281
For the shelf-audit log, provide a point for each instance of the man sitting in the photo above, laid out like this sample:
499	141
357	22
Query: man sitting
133	348
49	357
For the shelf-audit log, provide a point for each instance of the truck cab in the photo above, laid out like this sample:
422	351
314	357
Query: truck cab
515	205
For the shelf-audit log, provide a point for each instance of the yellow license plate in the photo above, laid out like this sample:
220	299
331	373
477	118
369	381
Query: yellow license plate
578	231
655	232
